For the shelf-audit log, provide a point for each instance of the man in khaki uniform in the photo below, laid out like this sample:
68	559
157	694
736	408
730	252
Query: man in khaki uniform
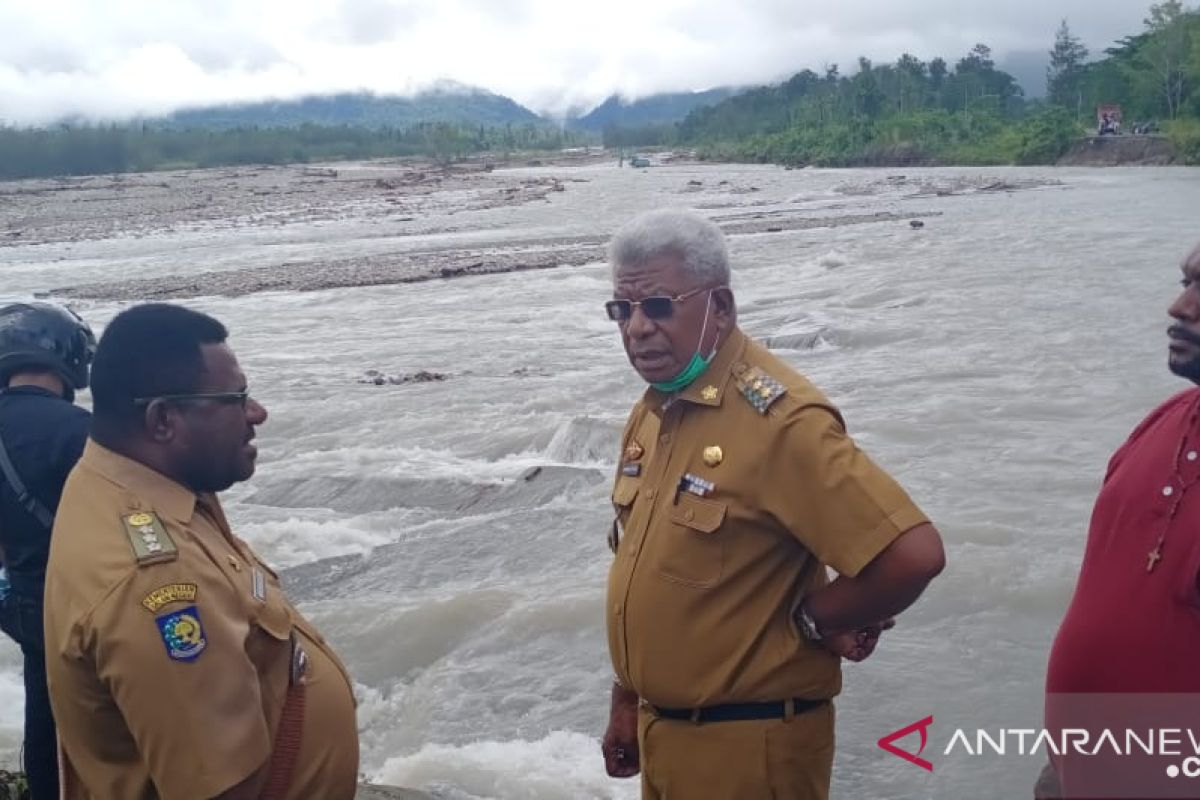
177	667
737	486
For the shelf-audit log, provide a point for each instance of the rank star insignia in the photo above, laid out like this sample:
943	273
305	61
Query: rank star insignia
148	538
713	456
760	389
709	393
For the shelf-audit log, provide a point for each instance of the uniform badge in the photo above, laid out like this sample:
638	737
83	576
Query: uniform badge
149	539
182	633
709	393
171	593
760	389
258	585
696	485
713	456
631	470
633	451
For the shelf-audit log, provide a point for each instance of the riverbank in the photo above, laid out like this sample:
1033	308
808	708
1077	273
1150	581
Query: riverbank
1118	151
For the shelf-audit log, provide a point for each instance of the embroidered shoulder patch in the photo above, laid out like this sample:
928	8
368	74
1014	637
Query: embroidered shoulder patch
149	539
182	633
760	389
171	593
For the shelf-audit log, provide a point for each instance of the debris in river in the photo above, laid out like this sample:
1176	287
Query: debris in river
377	378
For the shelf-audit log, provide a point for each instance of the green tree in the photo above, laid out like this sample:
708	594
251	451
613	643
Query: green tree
911	73
868	98
1063	76
937	79
1167	51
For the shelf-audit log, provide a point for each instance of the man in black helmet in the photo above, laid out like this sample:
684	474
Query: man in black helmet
45	354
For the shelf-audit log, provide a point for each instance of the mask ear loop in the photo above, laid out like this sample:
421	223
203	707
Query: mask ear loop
704	327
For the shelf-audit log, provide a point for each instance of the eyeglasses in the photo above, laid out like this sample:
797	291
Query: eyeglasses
224	398
653	307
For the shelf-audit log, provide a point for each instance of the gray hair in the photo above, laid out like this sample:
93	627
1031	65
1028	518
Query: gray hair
698	243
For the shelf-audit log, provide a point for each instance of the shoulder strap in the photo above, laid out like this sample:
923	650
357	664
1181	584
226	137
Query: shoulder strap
291	728
27	501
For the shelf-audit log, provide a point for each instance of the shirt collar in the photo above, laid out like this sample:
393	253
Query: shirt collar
709	388
162	494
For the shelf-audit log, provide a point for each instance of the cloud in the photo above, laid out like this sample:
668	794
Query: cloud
126	57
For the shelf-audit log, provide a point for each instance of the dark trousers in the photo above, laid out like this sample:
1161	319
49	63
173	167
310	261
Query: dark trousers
21	619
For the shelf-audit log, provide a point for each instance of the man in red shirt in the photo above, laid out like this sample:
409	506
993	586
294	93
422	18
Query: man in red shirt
1133	625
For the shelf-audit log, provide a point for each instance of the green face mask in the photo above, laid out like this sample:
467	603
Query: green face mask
695	368
685	379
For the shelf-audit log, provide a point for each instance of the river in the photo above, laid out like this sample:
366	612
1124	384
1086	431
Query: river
991	360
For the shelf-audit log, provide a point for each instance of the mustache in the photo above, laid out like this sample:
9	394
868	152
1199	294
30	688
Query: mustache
1180	332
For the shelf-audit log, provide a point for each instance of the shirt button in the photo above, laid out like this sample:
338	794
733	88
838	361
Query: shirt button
650	494
617	610
665	438
1168	491
690	515
1192	456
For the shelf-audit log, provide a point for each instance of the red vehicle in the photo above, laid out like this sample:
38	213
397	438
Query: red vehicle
1108	120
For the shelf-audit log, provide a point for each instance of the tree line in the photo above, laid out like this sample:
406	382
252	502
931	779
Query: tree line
93	149
968	111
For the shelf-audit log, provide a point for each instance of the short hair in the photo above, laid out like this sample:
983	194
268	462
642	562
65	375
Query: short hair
694	240
148	350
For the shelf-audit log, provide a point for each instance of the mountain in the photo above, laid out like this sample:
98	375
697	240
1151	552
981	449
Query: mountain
658	109
447	103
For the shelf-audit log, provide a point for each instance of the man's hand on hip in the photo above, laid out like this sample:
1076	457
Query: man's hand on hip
858	644
620	743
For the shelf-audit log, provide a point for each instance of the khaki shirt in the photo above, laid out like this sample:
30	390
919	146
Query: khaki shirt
168	648
717	548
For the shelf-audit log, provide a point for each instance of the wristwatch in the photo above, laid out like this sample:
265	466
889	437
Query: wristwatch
808	628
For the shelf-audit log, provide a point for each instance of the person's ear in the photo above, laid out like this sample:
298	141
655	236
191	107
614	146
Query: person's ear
723	306
160	421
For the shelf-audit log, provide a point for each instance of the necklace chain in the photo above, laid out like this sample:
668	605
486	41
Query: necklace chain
1156	553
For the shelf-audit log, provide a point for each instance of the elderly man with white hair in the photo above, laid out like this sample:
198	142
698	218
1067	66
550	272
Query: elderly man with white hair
737	487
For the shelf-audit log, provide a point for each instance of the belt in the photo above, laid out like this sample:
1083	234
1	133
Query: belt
735	712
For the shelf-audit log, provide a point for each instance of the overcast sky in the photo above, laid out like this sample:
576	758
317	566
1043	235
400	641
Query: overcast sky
115	58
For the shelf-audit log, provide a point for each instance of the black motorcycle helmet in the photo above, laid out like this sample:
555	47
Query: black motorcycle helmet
46	336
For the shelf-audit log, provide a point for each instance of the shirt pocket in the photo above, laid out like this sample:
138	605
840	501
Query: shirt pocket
625	491
692	545
273	618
